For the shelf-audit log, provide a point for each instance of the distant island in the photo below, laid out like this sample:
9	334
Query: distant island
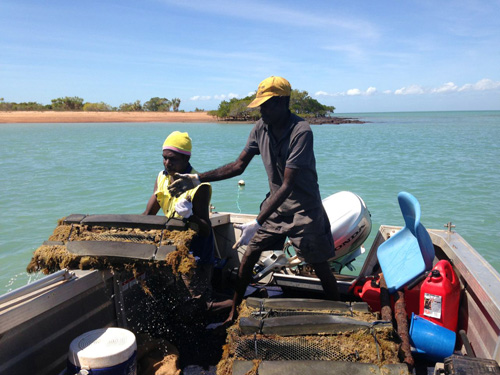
75	110
301	104
17	117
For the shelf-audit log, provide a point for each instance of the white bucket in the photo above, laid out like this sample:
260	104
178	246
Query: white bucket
106	351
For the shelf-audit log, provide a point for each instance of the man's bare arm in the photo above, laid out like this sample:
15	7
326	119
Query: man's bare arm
275	200
152	206
185	182
233	169
271	205
201	211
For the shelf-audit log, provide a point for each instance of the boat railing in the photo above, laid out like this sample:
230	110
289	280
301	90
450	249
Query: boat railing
24	292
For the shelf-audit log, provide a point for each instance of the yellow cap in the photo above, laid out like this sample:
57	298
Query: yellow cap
272	86
178	142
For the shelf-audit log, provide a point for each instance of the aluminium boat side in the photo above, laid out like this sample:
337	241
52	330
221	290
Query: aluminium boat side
37	323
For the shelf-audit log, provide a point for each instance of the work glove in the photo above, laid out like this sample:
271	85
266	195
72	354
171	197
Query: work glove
183	183
184	208
248	230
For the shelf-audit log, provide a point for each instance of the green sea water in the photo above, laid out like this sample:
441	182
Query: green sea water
448	160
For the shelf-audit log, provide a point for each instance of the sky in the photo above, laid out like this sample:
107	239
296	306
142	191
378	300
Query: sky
359	56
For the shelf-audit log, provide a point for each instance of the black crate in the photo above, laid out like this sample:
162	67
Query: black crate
459	365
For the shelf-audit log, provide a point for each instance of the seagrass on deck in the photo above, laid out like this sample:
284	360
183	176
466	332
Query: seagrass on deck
57	253
377	346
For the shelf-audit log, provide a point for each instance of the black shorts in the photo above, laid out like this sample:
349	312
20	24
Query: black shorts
312	238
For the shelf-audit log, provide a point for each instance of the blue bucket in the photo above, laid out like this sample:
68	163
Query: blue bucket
430	340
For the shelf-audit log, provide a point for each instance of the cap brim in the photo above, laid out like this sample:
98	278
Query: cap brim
257	102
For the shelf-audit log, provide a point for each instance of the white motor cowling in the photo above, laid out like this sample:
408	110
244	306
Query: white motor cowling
350	222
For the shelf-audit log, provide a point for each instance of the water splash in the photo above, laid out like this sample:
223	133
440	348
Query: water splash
22	279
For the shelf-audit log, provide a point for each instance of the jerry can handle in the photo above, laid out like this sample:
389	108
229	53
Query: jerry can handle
448	271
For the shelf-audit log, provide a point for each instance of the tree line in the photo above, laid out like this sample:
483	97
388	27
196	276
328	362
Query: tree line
300	103
229	110
74	103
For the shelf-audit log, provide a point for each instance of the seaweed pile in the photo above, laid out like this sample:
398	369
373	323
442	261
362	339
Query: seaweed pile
377	346
53	255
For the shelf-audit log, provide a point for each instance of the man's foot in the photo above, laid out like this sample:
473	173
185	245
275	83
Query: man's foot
228	322
233	315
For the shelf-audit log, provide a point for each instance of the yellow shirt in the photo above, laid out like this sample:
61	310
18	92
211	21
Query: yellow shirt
167	202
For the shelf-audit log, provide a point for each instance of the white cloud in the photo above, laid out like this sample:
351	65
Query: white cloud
200	98
214	97
353	92
482	85
447	87
410	90
324	93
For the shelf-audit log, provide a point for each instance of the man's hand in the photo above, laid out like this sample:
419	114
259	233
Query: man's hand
183	183
184	208
248	230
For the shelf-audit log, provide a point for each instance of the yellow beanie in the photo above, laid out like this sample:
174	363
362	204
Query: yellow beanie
178	142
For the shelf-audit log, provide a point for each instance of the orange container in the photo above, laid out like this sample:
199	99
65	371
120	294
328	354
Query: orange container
440	296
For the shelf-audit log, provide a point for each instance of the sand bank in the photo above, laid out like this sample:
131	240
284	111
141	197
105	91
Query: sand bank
52	117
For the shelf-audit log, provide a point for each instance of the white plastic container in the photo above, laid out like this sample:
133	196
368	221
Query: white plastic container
106	351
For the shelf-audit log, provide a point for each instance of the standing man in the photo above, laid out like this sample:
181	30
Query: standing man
192	205
293	207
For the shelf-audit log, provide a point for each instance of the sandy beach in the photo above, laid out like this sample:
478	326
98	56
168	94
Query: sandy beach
16	117
20	117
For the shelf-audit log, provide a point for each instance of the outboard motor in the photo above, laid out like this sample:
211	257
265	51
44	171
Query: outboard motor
271	263
350	223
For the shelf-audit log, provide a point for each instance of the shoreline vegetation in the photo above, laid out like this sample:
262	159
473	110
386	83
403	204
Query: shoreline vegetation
73	109
18	117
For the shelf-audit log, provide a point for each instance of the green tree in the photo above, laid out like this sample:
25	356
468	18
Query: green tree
238	109
131	107
302	104
157	104
97	107
5	106
223	110
176	102
24	106
68	103
28	106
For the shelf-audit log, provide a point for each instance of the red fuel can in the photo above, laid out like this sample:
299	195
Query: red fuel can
369	292
440	296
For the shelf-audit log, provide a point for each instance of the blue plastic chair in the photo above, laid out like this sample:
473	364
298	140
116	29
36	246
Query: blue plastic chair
410	252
